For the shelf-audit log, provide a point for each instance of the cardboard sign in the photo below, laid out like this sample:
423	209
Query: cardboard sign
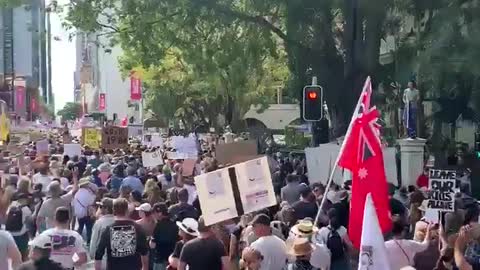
114	137
42	147
152	159
441	187
255	185
231	153
72	149
92	137
152	140
215	194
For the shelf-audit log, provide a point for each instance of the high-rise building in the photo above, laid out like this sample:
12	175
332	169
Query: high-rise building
98	73
25	70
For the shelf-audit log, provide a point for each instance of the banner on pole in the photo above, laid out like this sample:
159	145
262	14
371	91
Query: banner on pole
441	187
135	87
102	102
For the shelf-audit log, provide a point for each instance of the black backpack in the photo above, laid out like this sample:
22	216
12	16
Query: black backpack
335	245
14	222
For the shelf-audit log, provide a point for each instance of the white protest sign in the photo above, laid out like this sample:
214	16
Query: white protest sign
135	130
42	147
255	185
185	145
72	149
176	155
441	187
216	197
152	159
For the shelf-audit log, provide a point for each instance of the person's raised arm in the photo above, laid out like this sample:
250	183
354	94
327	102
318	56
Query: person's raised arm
460	245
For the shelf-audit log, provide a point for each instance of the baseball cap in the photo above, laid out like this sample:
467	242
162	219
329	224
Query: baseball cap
261	219
144	207
41	241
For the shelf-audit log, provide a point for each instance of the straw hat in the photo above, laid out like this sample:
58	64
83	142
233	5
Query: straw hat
301	247
84	182
304	228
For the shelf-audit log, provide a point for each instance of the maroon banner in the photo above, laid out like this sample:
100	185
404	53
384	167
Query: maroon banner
135	87
102	102
19	97
33	105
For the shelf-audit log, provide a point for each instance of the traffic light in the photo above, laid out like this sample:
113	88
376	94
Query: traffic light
312	103
477	144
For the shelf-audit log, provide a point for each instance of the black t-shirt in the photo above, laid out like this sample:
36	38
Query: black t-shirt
178	249
305	209
125	242
165	236
397	207
203	253
343	210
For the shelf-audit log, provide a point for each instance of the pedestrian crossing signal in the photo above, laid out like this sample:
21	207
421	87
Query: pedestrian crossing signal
312	103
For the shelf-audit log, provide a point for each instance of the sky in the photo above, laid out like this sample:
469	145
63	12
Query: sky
63	62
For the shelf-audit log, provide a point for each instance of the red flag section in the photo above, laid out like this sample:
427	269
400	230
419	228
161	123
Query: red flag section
362	155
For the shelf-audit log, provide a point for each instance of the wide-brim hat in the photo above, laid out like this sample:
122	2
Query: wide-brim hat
304	228
188	226
423	207
301	247
54	189
84	182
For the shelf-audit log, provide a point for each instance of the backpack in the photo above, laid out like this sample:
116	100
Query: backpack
14	222
335	245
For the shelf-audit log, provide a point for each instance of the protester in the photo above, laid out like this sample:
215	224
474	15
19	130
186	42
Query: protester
66	244
291	192
132	181
301	250
164	237
146	221
307	206
102	223
8	251
272	248
188	230
182	209
83	205
204	252
40	255
251	259
19	216
124	242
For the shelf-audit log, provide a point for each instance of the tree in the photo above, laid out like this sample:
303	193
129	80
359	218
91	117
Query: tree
70	111
316	35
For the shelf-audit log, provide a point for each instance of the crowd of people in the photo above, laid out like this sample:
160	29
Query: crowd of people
60	212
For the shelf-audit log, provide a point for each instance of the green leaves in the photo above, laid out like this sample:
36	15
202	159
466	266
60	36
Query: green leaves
70	111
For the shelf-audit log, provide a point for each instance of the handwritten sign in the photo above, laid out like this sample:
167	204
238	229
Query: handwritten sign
215	193
92	137
152	159
441	186
114	137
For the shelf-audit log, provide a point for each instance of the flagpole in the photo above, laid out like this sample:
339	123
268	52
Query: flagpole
342	147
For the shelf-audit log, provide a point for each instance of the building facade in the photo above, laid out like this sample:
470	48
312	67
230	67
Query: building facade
25	70
98	73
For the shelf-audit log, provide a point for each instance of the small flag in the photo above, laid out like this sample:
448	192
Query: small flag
373	254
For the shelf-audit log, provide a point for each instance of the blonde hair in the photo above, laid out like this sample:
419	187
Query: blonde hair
23	185
152	192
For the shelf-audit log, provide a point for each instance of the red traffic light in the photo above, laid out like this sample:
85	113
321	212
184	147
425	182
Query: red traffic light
312	95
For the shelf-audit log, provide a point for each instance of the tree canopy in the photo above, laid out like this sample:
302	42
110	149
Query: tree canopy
70	111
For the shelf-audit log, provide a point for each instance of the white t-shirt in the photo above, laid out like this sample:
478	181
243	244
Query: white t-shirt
83	199
26	214
45	180
401	252
192	193
273	250
65	244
